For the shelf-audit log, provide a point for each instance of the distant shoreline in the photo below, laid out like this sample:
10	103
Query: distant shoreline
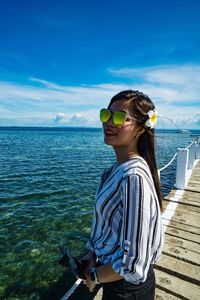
75	128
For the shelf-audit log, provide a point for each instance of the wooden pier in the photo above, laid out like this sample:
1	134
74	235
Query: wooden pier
178	269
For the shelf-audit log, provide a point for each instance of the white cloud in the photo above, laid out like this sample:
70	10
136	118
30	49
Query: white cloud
76	119
53	95
167	74
59	117
174	83
174	89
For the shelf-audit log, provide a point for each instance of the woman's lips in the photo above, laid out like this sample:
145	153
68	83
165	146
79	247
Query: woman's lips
109	133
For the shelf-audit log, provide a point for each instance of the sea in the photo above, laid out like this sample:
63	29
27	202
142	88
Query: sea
48	180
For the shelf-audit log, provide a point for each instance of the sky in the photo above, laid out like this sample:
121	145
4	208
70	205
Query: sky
62	61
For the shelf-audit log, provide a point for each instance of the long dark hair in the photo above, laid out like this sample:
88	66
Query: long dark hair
140	105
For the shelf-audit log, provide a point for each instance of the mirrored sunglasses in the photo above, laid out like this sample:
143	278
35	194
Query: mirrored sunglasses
118	117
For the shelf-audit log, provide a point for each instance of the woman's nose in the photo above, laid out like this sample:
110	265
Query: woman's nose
110	122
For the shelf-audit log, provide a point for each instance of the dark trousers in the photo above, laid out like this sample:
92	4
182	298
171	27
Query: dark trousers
124	290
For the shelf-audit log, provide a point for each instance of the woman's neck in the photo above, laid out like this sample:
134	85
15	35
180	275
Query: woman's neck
123	156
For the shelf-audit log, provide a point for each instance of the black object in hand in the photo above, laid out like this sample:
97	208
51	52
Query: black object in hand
75	266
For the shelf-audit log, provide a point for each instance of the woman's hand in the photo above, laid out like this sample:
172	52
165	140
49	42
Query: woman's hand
88	261
90	284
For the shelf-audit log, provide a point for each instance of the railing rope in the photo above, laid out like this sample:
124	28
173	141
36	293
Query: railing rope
189	145
169	163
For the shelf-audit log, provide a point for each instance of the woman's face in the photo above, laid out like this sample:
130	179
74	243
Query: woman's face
124	135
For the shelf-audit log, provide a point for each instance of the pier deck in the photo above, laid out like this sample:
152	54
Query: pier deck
178	269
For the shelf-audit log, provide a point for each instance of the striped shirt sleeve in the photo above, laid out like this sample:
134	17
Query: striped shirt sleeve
134	258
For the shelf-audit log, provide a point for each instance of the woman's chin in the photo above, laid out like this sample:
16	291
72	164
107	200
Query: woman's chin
109	141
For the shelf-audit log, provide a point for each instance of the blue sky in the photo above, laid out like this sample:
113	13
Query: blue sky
61	61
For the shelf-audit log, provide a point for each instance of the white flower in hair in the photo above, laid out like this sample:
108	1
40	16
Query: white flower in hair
152	118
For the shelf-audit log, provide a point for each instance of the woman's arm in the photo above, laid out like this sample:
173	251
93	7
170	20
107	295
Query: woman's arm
137	228
105	273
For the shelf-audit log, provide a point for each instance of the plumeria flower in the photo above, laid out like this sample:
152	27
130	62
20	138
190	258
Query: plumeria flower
152	118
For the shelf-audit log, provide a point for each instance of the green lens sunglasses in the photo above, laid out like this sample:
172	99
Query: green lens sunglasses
118	117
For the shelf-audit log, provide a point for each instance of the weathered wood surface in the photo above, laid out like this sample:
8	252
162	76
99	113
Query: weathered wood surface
178	268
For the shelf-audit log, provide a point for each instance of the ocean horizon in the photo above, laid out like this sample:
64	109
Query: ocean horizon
85	127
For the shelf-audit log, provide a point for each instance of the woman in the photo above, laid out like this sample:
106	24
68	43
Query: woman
127	234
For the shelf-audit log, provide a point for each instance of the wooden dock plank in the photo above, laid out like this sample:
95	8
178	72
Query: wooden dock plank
187	195
194	182
186	200
182	226
176	241
186	219
182	254
99	295
191	188
161	295
178	268
185	208
191	200
189	236
188	203
173	285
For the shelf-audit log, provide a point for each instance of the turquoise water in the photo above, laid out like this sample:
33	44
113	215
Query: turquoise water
48	180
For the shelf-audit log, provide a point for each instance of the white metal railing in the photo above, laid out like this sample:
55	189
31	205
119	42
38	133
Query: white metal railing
185	163
71	290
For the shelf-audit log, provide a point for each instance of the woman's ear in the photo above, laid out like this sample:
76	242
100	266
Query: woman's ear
139	131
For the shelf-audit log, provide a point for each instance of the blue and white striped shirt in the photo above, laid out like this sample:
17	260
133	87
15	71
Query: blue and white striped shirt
127	228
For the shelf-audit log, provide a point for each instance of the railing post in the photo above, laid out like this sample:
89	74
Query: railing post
198	150
192	153
181	168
